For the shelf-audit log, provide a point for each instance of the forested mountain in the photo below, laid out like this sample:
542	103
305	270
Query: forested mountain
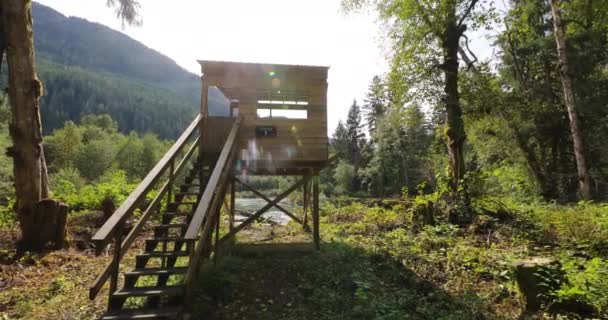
89	68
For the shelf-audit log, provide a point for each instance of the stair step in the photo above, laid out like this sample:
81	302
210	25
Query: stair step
163	313
190	185
149	292
177	214
155	254
171	226
167	239
156	271
184	203
188	193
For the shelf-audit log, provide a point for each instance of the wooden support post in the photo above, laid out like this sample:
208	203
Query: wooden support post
216	249
232	202
315	212
203	125
201	184
305	204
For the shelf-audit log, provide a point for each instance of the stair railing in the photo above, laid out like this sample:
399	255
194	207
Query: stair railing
113	228
206	215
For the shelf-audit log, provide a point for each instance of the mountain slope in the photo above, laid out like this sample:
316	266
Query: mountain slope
89	68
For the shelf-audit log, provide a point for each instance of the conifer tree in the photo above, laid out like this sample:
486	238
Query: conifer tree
375	104
355	135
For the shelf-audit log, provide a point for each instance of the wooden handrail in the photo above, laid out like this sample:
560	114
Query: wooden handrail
206	212
203	206
128	241
100	239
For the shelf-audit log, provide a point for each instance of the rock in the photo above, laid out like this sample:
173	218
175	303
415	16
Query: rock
536	278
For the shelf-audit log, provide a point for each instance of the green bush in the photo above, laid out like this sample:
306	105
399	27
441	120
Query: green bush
586	282
113	184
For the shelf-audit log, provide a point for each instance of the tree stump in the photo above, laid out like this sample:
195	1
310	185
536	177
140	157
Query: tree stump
423	214
108	207
49	220
536	278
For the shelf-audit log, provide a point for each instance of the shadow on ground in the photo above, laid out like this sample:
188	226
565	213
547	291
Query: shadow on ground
292	281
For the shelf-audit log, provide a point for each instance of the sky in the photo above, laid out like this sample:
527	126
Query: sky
303	32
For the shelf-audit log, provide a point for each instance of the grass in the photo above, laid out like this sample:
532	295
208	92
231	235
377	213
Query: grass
340	282
374	264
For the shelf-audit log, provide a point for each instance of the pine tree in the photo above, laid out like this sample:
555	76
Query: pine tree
355	136
375	104
339	141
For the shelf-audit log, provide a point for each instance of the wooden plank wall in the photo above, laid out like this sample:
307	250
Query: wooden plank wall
297	139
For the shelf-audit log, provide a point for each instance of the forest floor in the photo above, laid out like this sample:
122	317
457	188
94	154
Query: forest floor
53	285
374	263
275	273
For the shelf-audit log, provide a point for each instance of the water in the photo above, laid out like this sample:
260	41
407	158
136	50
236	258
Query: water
252	205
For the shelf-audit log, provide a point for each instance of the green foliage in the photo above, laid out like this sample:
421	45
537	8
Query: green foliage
345	176
6	164
584	225
586	282
477	262
94	158
113	185
92	161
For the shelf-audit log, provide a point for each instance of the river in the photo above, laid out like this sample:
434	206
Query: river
252	205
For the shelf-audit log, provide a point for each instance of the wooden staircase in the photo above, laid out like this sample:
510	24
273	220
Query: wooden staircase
163	264
160	284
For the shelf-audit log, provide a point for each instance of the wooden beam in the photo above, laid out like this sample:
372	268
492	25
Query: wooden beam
261	195
315	213
265	208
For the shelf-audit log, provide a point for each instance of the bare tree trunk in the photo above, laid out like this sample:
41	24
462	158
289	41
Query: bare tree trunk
24	91
575	128
454	129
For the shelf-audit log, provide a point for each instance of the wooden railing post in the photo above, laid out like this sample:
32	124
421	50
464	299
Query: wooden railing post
170	182
190	248
232	201
115	262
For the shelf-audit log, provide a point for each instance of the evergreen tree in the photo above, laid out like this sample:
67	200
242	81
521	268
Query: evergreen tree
354	135
375	104
339	141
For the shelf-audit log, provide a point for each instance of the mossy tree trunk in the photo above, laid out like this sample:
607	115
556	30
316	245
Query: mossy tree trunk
454	126
25	90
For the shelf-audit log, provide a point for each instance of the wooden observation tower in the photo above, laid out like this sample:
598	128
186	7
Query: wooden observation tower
255	119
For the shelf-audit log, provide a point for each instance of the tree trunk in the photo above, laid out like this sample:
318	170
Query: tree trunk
454	129
575	128
24	92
